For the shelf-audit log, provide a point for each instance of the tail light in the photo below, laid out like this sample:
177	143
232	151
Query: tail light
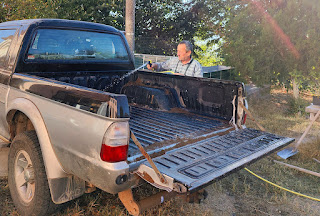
115	142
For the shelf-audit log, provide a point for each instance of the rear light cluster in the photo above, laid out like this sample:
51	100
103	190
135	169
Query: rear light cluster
115	142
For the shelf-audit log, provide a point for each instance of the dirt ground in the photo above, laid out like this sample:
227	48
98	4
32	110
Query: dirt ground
220	202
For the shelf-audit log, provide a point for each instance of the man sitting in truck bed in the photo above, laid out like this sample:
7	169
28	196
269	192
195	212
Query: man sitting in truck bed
183	65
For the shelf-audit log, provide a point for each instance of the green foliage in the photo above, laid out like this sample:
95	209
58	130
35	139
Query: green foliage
296	106
100	11
267	42
161	25
207	54
20	9
271	42
106	12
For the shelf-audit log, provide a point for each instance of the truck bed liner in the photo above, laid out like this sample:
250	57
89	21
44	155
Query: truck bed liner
153	127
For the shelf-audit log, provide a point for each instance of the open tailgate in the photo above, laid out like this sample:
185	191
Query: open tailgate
196	165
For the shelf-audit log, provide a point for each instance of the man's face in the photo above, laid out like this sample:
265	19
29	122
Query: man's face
182	53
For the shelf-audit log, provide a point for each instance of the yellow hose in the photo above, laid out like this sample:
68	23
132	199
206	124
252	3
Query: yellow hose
278	186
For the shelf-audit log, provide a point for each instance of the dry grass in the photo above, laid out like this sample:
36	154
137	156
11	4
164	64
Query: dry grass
239	193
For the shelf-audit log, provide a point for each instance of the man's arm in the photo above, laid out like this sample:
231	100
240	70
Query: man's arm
152	66
161	66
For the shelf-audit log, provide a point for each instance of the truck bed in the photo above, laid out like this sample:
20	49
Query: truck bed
159	130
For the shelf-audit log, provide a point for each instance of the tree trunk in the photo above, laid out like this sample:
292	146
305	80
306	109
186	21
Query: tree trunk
130	23
295	87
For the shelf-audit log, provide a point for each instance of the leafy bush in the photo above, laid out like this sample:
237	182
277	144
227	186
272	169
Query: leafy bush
296	106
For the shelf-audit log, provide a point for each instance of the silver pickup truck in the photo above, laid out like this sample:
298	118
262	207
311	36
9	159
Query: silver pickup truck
69	108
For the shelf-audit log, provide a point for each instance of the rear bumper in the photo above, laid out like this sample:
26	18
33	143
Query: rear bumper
109	177
101	174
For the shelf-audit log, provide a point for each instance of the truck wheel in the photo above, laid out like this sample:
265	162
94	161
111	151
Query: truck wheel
27	176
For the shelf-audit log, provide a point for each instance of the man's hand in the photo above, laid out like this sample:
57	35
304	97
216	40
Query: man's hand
152	66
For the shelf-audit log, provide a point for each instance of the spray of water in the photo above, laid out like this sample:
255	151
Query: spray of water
117	81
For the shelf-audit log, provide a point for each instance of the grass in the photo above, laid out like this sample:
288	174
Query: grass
239	193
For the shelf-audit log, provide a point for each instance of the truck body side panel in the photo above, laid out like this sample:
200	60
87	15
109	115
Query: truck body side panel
68	188
76	137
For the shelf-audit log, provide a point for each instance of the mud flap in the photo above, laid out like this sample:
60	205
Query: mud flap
196	165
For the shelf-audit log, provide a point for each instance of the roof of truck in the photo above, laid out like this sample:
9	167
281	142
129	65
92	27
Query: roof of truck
60	23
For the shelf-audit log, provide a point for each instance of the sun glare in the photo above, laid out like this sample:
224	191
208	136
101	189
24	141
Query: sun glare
277	29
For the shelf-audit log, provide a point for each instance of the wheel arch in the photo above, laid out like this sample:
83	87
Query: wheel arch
63	186
30	118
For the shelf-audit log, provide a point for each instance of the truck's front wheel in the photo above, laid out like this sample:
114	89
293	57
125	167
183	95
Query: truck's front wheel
27	177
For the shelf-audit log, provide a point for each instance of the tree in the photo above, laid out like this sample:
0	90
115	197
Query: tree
273	41
208	53
3	13
99	11
160	25
20	9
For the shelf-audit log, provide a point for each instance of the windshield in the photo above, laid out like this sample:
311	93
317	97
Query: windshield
57	44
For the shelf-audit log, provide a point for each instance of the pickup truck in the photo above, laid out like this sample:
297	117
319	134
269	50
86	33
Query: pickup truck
75	115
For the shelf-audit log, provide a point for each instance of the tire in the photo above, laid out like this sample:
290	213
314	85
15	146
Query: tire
27	176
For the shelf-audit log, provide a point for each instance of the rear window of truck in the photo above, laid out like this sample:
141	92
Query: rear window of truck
61	44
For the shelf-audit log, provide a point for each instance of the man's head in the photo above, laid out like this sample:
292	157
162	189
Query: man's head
184	51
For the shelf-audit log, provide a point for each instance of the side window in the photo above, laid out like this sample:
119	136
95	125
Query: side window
6	37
